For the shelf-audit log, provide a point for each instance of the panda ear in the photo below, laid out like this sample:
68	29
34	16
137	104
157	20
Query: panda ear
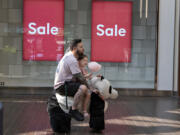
102	77
110	89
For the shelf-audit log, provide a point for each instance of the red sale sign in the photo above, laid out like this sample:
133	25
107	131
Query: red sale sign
43	22
111	31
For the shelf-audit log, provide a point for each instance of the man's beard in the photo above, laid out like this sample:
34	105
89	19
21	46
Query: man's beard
79	53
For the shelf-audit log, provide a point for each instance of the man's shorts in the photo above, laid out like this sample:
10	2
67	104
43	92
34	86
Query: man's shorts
71	88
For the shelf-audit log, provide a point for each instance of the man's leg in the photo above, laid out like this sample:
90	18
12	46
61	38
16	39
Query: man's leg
77	91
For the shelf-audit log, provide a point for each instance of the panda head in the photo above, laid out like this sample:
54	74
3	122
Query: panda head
104	87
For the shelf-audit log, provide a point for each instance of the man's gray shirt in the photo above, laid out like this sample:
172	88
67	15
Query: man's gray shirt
67	67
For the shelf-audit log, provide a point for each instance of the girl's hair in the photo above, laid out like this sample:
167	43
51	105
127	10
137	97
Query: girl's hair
82	56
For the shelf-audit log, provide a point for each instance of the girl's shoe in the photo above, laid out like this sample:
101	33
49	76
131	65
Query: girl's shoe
85	114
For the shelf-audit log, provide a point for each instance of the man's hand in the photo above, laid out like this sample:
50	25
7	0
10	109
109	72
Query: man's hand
80	78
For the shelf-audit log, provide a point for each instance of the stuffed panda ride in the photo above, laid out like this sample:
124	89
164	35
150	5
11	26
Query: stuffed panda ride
96	106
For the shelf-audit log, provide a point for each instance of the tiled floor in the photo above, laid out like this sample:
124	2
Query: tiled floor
125	116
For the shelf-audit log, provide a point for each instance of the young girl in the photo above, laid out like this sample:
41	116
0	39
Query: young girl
83	61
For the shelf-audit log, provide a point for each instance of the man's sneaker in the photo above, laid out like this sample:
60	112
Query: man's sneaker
76	115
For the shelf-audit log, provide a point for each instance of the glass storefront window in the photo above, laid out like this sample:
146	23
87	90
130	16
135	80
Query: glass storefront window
16	71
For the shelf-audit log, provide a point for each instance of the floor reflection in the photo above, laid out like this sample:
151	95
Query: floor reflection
125	116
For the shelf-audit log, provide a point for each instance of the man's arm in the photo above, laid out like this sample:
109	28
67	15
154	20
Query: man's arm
80	78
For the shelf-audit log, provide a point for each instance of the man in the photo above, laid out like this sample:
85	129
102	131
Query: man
67	69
